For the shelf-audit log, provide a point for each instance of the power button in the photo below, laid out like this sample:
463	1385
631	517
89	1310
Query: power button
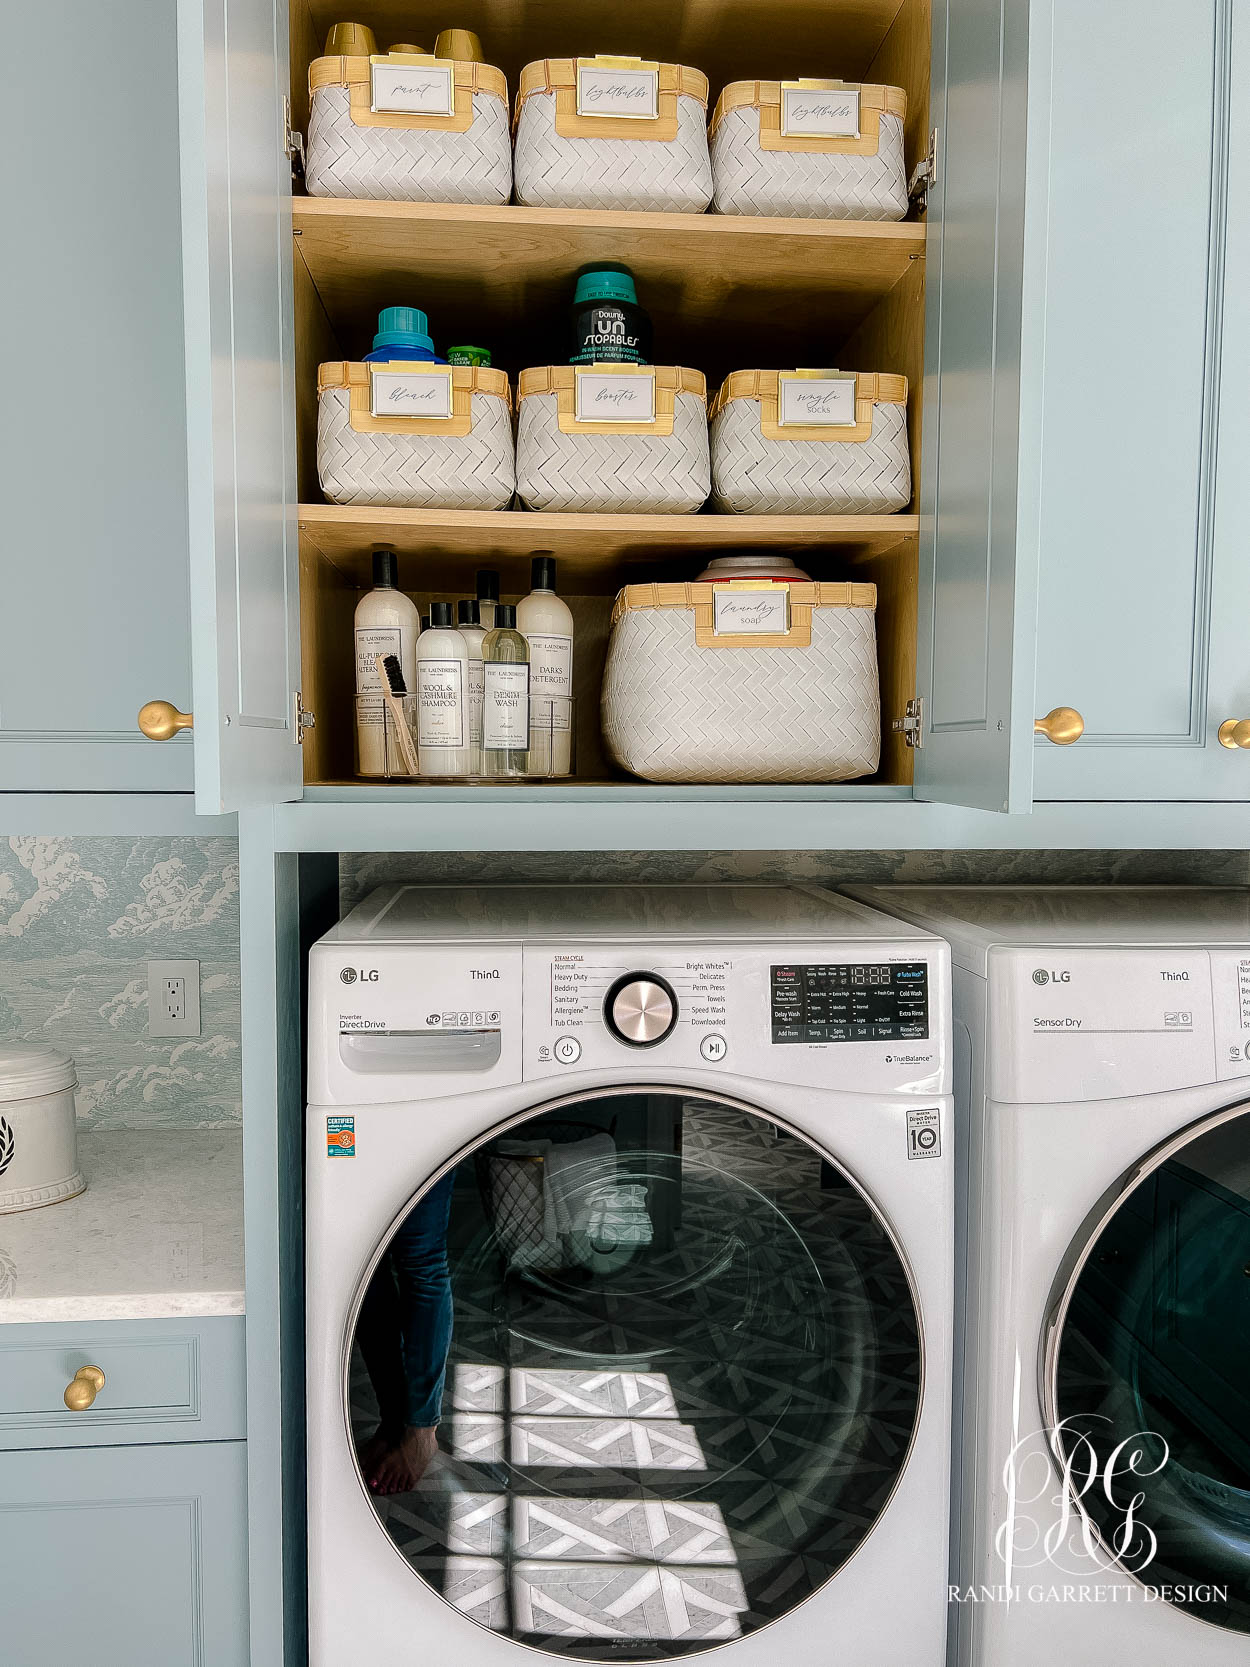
714	1048
568	1050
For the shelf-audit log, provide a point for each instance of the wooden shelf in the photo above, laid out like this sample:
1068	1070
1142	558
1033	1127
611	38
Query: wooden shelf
597	552
503	277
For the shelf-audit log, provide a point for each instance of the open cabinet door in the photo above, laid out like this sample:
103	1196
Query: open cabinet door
236	209
978	581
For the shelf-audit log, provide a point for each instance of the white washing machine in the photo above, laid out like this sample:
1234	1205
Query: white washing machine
1102	1050
645	1195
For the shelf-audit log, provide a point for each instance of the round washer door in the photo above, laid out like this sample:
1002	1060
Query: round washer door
635	1378
1148	1373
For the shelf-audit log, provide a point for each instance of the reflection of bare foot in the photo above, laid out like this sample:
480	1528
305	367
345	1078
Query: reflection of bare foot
397	1467
370	1453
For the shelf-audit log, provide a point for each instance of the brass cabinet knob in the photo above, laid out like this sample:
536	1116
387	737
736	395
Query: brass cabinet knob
1235	732
87	1383
1062	726
159	720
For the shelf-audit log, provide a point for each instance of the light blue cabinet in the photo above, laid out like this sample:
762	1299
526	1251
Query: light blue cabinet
1139	463
125	1556
95	616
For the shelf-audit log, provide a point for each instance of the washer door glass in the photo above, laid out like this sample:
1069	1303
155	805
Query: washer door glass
635	1378
1152	1376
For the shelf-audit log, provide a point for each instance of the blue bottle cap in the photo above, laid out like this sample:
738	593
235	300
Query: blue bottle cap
403	327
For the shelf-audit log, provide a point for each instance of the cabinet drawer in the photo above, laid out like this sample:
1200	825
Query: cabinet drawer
164	1380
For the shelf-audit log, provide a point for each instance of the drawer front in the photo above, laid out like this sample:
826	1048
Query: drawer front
164	1380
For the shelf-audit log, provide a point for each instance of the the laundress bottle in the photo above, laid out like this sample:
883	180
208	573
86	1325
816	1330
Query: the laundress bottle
505	697
609	327
386	623
442	696
487	597
467	622
545	622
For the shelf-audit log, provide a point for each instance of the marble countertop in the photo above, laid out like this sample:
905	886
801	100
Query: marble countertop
157	1234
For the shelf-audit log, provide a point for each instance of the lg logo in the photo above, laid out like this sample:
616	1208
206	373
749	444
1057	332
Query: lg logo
1041	976
349	975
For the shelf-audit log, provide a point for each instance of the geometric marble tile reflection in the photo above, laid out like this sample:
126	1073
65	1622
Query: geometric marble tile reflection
618	1530
621	1443
474	1387
547	1391
594	1600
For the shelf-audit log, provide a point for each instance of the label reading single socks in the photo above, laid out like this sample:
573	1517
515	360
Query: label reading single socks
506	708
440	703
371	640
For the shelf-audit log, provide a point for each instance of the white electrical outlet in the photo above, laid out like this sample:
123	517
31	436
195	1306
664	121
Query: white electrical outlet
173	998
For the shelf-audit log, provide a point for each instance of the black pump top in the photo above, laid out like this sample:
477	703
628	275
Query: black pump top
543	572
385	570
505	616
487	585
441	616
468	613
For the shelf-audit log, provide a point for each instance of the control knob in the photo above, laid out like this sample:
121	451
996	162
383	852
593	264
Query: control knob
640	1009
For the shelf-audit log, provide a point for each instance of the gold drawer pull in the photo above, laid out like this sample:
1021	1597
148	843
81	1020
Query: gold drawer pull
87	1384
159	719
1062	726
1235	732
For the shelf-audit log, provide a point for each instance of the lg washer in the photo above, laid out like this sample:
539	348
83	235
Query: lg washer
629	1265
1102	1058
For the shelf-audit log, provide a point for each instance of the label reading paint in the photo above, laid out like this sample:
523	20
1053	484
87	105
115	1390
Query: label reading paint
820	112
751	612
410	393
924	1136
340	1137
605	397
370	641
506	708
822	402
440	703
414	89
632	93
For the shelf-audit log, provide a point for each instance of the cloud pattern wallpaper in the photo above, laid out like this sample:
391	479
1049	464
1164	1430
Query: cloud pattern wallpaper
79	920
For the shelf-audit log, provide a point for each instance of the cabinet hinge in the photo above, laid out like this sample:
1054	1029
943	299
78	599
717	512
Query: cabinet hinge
304	719
292	141
924	176
911	725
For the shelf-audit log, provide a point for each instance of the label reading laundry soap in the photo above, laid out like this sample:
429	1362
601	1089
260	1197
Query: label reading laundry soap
340	1137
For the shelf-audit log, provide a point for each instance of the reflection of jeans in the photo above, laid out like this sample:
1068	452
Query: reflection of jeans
405	1318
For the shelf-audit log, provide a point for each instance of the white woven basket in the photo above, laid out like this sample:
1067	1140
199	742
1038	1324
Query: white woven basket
684	703
762	465
463	462
569	160
759	169
660	466
353	151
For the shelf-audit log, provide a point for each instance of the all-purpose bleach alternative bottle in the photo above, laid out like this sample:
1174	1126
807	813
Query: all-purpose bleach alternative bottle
403	333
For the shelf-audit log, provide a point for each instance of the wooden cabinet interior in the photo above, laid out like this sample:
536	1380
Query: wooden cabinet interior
724	292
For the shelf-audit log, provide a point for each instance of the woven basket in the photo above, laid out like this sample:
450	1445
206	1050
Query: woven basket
682	702
460	461
356	151
567	159
567	461
764	462
763	165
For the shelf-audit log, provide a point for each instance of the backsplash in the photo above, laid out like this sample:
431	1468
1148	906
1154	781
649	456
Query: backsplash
360	872
79	920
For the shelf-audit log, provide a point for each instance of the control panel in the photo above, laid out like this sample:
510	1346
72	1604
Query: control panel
859	1001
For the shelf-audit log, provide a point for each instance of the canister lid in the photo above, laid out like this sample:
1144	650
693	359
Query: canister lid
403	327
28	1069
607	281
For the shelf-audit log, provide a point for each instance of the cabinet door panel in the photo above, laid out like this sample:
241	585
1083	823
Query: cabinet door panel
125	1554
236	191
1144	586
975	654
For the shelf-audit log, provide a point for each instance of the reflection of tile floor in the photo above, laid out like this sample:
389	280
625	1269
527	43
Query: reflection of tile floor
716	1477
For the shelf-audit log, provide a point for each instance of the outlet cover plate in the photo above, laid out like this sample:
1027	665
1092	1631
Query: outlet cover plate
160	1023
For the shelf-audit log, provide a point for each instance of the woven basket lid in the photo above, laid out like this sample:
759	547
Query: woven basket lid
28	1069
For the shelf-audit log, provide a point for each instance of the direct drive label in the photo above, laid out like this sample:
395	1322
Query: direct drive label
924	1139
340	1137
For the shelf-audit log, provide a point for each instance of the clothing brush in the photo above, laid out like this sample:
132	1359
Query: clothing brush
394	690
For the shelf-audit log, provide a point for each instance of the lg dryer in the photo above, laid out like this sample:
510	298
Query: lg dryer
1102	1049
629	1256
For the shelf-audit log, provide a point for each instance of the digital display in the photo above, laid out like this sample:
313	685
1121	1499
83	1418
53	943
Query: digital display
886	1001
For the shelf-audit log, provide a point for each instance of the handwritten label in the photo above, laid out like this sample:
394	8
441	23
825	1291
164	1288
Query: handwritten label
410	393
602	397
418	89
751	613
633	93
819	402
820	112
